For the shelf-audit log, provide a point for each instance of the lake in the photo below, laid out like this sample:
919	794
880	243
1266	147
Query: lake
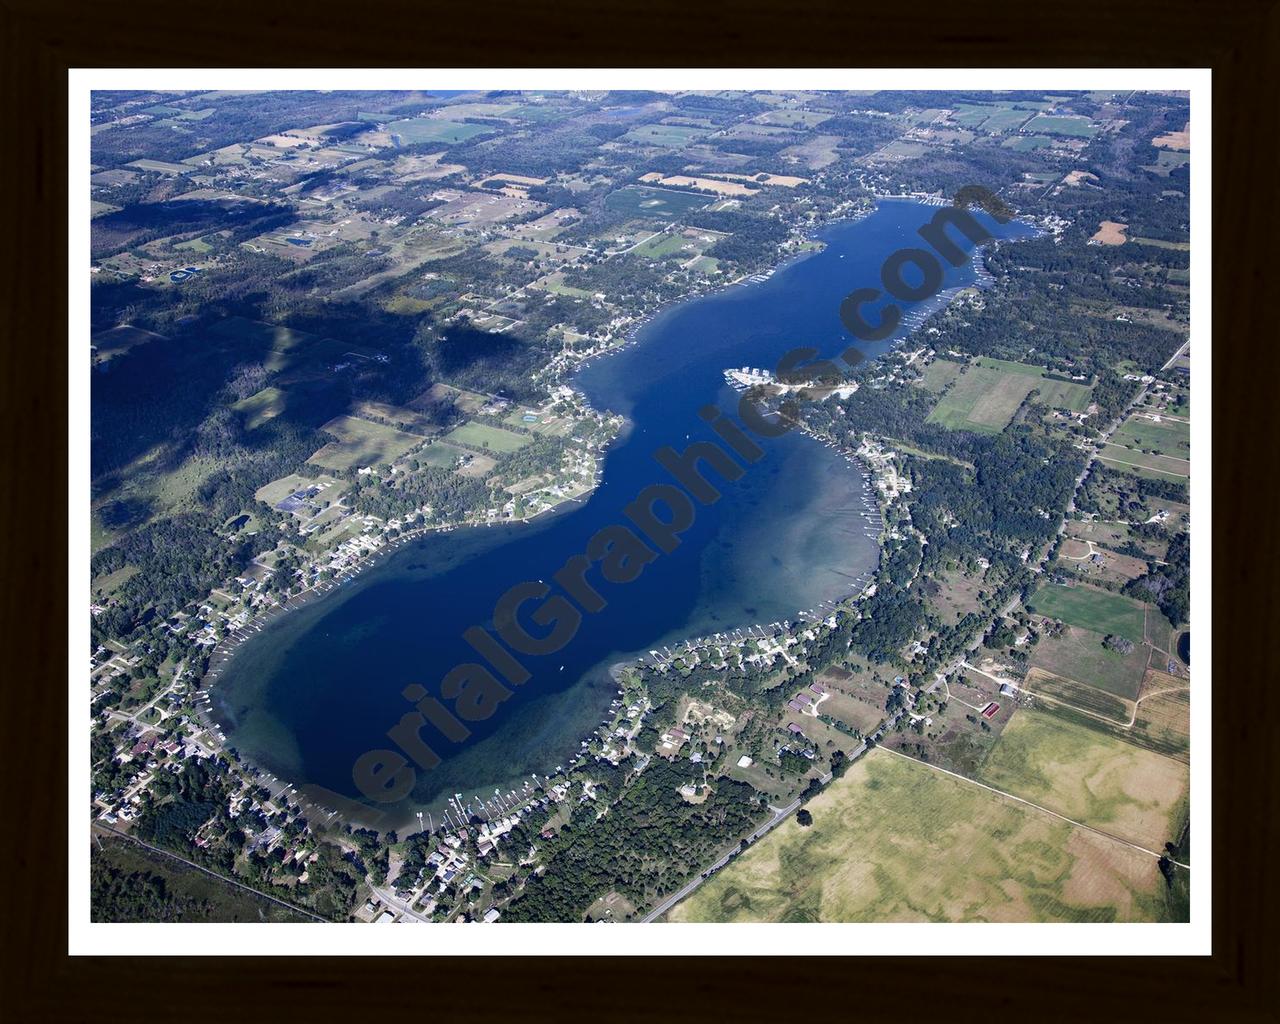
322	685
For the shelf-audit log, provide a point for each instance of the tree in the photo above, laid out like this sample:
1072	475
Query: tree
804	817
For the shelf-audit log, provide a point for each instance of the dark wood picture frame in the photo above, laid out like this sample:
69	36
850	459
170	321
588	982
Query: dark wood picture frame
1236	38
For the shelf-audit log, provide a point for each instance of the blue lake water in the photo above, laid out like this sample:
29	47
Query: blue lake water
323	684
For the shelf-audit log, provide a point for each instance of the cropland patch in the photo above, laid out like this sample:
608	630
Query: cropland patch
1091	777
414	130
1110	232
1079	654
362	443
896	840
1076	127
483	436
1096	610
659	203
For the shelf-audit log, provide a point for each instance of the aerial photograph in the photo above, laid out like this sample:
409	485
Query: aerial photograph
644	505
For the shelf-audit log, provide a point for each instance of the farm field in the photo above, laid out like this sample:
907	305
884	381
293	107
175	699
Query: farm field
1168	437
1078	695
1091	777
982	399
660	203
675	136
160	166
1026	143
260	407
413	130
118	340
1059	394
1168	161
896	840
1162	467
1160	721
792	118
1079	654
1097	610
988	392
362	443
938	374
481	435
1078	127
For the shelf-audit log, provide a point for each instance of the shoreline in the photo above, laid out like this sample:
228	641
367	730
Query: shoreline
221	656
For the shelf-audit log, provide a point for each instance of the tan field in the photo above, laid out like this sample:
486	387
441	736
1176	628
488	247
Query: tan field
1175	140
1110	232
897	840
1090	776
724	188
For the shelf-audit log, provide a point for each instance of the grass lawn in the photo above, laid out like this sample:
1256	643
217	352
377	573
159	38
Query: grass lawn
896	840
1099	780
481	435
1098	610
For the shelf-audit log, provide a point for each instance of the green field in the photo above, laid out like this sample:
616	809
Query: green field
1168	161
481	435
1079	127
258	408
1057	394
1080	695
1160	243
414	130
160	166
939	373
663	245
971	115
1098	610
362	443
793	118
1026	143
440	455
989	391
674	136
1158	466
660	203
1161	723
1005	119
1168	437
1090	777
982	399
896	840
